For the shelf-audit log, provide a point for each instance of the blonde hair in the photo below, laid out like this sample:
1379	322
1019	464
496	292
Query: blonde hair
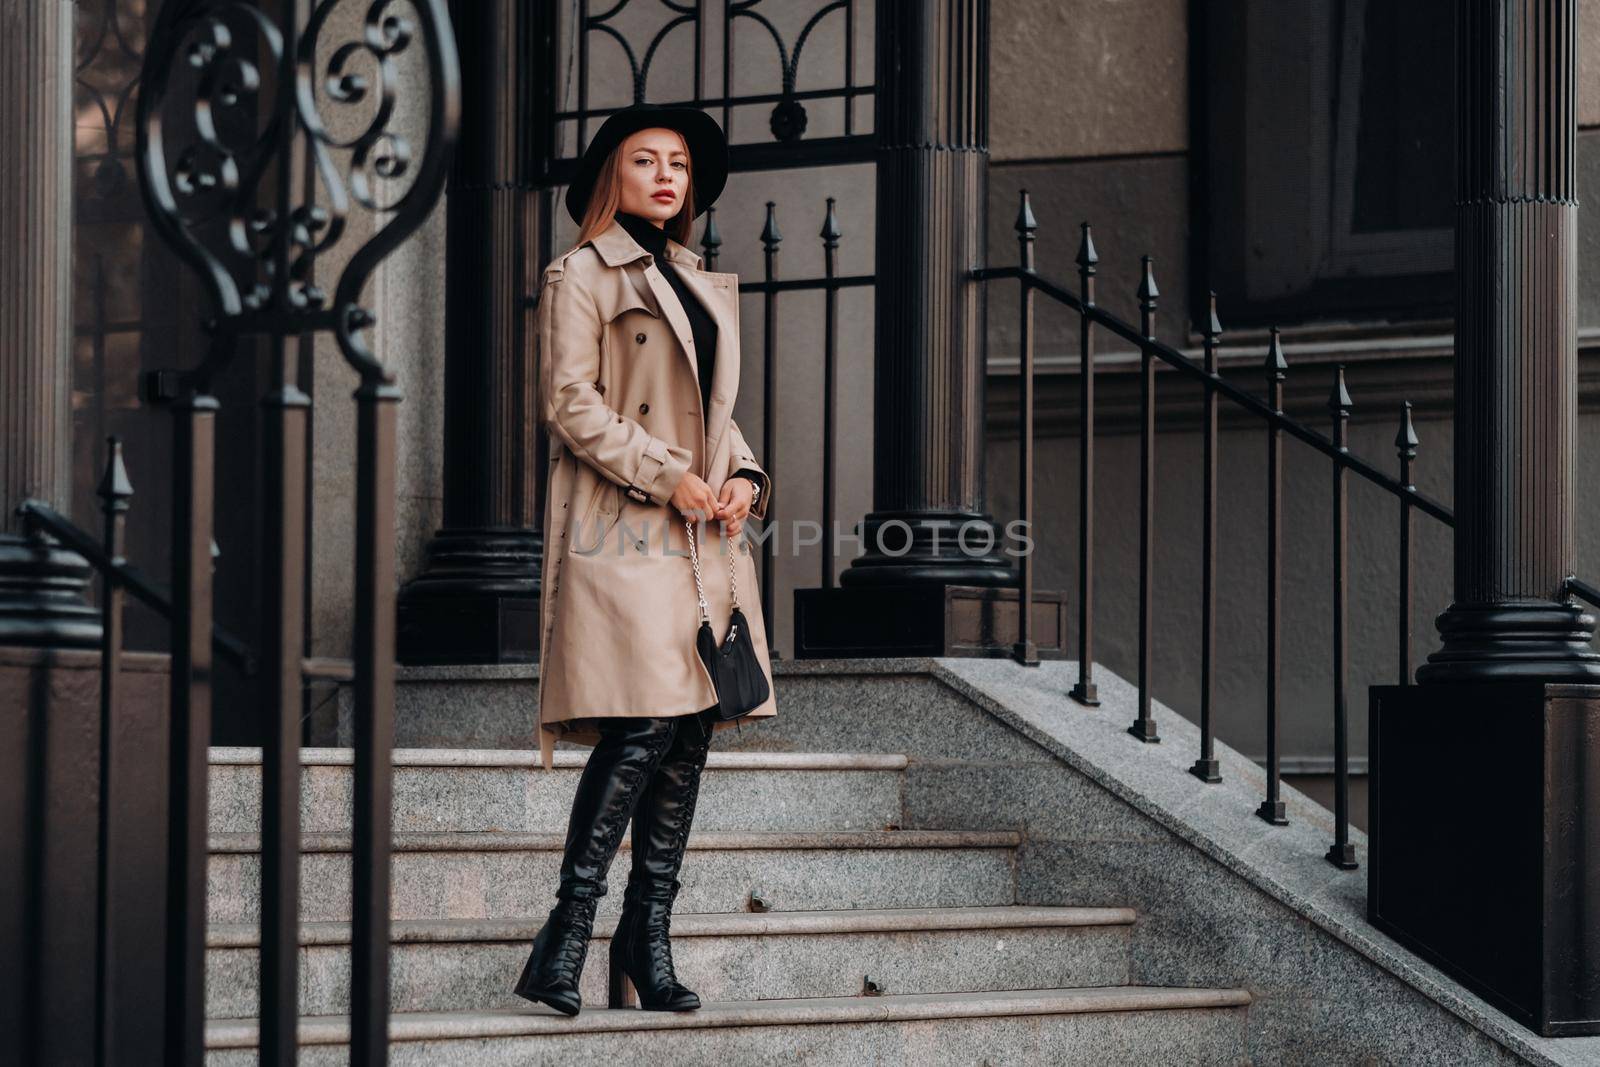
606	198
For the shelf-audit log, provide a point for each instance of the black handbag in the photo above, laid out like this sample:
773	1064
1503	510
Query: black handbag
735	671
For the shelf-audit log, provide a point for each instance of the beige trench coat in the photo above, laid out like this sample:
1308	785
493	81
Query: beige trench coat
619	396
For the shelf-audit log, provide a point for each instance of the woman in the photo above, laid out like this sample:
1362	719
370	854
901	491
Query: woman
639	369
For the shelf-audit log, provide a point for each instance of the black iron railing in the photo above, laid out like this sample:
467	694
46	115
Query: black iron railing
117	578
1270	415
124	577
236	110
771	287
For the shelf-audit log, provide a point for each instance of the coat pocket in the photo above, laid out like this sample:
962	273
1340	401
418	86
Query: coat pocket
601	514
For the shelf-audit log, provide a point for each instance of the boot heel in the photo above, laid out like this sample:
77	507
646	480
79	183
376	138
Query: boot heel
621	992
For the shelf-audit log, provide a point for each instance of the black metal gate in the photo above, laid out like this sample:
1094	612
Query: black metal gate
266	141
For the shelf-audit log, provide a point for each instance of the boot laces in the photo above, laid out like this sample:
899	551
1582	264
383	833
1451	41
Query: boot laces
572	945
658	928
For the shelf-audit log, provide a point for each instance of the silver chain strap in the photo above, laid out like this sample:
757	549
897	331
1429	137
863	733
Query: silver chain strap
694	558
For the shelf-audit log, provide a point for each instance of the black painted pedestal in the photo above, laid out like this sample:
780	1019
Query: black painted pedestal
922	620
1485	841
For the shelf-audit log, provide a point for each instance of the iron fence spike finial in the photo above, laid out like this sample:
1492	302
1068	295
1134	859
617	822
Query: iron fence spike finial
115	488
1277	366
769	233
1406	439
1213	324
1339	401
1086	253
1147	281
830	232
1026	223
710	238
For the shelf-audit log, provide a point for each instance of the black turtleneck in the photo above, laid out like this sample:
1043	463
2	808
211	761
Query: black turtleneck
702	326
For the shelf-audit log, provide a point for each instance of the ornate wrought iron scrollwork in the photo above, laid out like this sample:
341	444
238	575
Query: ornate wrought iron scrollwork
105	52
202	182
788	119
640	68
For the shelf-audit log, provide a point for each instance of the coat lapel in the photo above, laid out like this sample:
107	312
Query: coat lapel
668	302
717	292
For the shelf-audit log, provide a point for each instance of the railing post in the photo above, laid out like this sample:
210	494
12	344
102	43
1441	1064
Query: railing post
1144	727
770	240
1024	650
1205	767
376	402
190	727
1342	853
1405	442
286	410
830	355
711	238
1272	808
1084	691
115	491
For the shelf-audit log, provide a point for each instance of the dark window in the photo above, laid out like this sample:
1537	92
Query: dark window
1327	150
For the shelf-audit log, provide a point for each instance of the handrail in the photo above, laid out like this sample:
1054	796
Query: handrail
1277	423
1583	590
39	515
1250	404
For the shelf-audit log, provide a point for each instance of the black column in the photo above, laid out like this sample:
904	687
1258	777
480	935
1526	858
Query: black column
932	115
476	600
1516	350
1487	778
41	588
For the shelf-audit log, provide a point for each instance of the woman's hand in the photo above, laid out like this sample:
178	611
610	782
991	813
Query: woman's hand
694	499
736	496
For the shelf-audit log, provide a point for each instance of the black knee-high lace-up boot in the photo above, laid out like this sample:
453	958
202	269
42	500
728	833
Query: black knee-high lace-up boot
641	952
619	768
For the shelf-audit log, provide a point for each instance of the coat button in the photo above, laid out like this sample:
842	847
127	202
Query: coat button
638	338
643	408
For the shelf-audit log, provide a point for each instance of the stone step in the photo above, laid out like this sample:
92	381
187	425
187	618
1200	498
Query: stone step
464	965
504	875
486	789
1118	1024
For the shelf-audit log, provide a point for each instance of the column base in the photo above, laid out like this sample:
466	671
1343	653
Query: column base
923	620
932	551
1484	849
1544	641
44	596
476	601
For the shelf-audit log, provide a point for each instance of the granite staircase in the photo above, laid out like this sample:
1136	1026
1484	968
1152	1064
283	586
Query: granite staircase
816	921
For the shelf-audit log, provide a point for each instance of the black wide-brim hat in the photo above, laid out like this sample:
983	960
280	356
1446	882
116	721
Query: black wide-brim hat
708	152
